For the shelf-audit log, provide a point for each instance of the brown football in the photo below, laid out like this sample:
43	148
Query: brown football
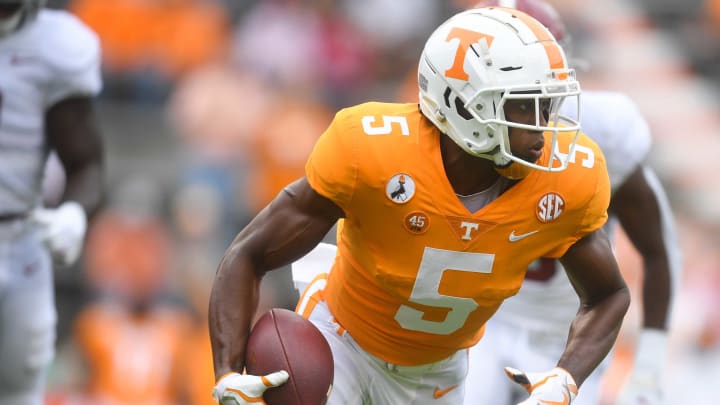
283	340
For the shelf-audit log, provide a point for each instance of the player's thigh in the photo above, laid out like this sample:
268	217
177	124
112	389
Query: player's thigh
439	383
27	316
351	374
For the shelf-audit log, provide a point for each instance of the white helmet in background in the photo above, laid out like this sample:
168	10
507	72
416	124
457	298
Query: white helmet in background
476	61
16	13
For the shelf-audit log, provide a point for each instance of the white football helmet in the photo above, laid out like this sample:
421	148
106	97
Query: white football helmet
476	61
24	11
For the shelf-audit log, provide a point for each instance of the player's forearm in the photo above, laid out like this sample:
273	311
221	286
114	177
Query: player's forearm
233	301
593	333
645	213
85	185
656	293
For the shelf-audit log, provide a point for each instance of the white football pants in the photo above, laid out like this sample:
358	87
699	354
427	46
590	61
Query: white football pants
363	379
27	314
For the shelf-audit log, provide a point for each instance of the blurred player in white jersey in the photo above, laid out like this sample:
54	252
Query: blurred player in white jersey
529	330
49	74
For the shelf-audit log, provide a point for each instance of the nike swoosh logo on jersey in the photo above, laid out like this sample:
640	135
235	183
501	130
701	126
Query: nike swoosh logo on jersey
515	238
438	393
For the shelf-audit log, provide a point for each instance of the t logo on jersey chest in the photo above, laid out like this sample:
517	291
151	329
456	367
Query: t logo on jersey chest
468	229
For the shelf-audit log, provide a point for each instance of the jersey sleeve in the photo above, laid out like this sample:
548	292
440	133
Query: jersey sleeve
74	58
332	168
592	214
596	214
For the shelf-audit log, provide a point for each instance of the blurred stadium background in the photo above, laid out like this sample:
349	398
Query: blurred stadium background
210	107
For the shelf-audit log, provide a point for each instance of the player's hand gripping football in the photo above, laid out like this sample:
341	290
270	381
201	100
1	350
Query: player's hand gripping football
241	389
551	387
63	230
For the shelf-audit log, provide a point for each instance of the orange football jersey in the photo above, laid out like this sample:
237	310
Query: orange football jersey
132	359
417	274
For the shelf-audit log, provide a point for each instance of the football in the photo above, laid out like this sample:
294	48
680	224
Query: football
283	340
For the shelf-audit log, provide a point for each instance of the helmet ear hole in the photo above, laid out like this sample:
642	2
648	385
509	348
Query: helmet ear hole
460	107
446	96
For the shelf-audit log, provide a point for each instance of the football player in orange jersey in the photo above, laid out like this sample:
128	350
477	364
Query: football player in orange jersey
493	179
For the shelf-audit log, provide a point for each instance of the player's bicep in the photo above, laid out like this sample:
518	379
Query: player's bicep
73	133
289	227
637	205
592	269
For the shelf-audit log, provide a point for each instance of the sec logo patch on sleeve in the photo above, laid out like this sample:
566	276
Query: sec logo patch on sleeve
550	207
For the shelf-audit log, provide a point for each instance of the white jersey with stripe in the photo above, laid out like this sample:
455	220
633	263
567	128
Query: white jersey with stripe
51	59
546	300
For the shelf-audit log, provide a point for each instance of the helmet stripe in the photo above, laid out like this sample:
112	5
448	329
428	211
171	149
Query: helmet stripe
552	49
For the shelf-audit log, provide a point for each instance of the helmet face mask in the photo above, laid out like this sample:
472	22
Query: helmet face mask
14	14
479	60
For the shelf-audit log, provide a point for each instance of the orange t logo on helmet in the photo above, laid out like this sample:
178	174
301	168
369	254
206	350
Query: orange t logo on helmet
466	38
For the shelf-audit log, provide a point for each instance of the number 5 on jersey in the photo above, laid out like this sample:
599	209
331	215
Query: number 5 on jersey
433	265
